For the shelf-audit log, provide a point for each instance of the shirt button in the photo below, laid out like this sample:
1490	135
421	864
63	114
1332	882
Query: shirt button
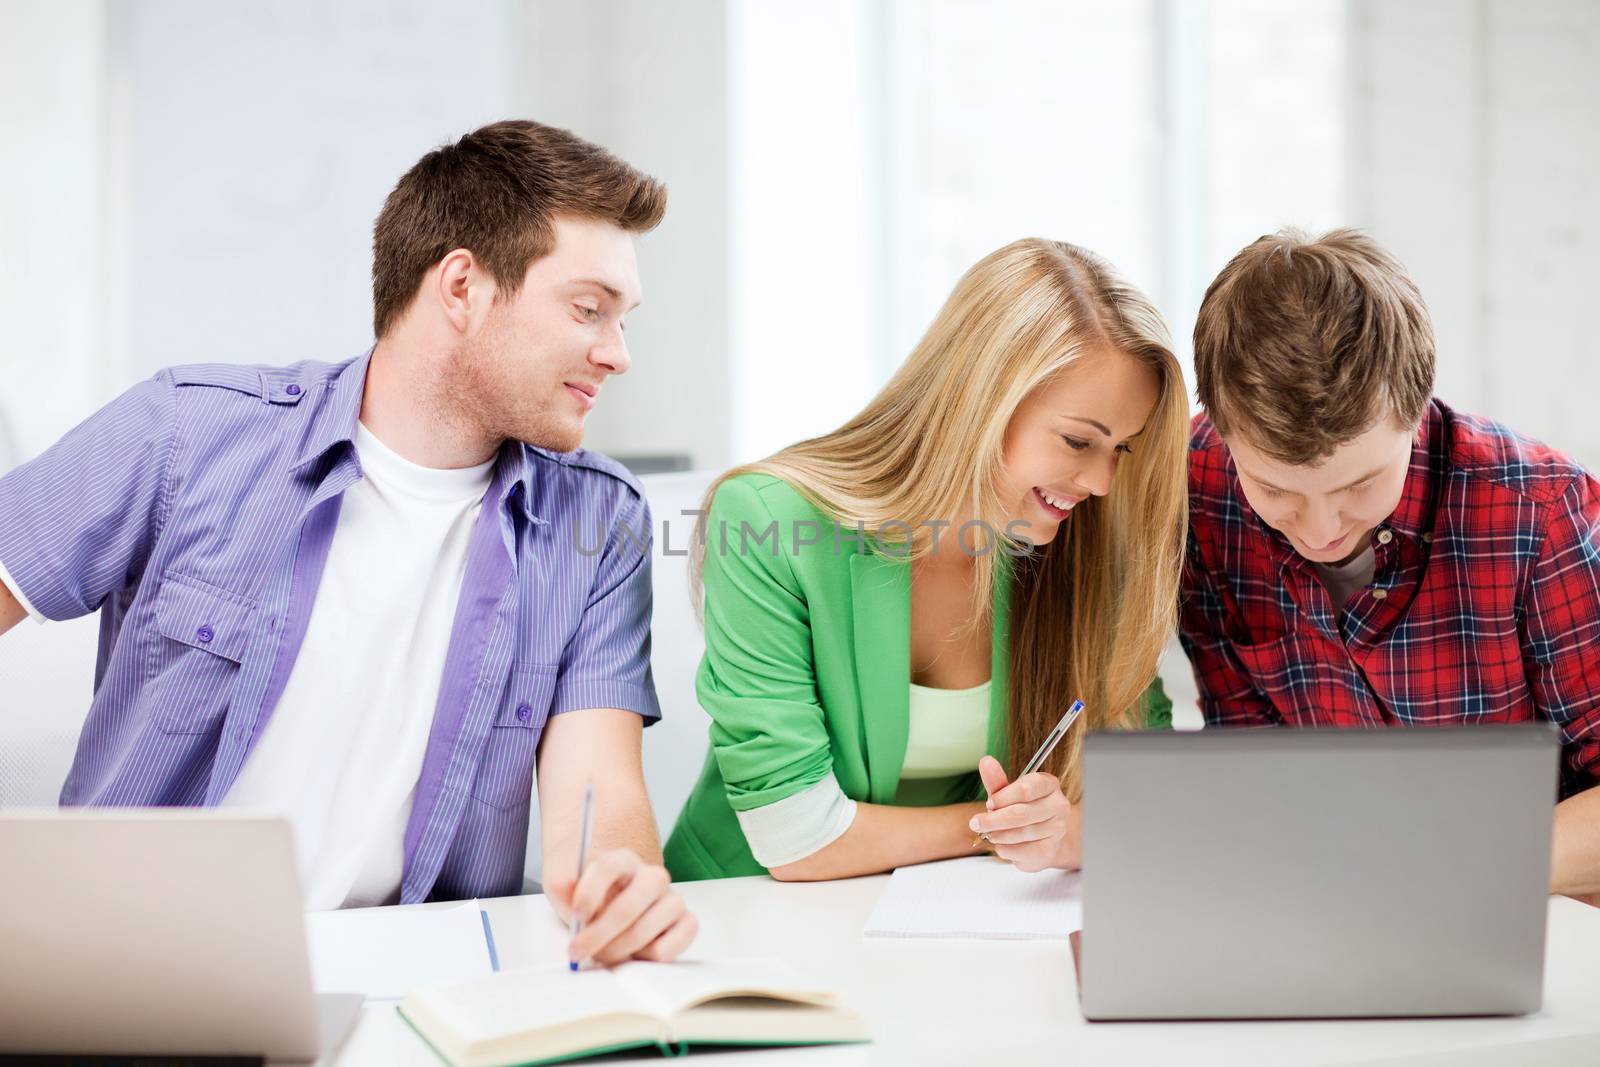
1385	536
1428	538
292	390
524	712
1379	594
205	634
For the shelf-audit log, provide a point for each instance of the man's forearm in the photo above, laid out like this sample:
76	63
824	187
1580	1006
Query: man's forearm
1575	851
622	819
884	837
598	747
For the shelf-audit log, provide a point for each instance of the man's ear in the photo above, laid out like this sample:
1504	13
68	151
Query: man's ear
464	290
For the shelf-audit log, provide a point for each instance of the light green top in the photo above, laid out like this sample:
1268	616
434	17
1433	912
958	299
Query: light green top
807	672
947	731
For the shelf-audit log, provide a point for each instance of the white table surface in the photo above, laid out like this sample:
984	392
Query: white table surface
966	1002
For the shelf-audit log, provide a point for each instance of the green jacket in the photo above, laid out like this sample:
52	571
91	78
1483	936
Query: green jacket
801	640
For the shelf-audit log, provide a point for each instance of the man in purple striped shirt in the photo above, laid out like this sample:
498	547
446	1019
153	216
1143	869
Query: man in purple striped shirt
366	594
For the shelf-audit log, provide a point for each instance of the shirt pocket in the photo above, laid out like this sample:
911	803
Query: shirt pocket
505	778
204	632
1297	676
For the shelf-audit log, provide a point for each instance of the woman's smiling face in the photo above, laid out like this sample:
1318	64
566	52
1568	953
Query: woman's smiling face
1064	441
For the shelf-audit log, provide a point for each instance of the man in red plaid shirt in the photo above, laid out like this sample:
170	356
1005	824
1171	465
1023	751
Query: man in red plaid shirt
1361	554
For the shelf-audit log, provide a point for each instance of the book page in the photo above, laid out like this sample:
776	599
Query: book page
669	988
528	999
979	898
764	1021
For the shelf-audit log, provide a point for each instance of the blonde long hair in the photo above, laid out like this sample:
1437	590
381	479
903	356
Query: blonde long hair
1092	610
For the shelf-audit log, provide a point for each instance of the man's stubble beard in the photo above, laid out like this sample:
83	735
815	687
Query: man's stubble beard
484	388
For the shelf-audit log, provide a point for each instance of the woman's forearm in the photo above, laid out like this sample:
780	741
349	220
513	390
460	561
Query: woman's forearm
884	837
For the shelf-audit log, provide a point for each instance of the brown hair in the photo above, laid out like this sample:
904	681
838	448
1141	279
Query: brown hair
494	193
1301	345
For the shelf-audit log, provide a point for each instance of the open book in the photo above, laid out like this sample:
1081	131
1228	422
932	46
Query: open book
548	1014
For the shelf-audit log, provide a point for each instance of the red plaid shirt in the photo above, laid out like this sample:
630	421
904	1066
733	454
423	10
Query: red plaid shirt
1484	604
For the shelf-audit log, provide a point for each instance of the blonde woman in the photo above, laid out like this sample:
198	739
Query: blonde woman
895	608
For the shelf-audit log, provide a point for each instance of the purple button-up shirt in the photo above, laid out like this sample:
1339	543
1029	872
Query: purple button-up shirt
195	512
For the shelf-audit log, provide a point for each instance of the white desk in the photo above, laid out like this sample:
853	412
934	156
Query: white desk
967	1002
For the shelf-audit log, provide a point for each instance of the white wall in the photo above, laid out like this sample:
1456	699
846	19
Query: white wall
650	82
1475	143
53	263
187	181
261	141
1276	133
1163	134
762	285
1021	119
807	294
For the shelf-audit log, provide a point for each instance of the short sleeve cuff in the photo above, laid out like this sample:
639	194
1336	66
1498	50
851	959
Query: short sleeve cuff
577	694
798	825
16	591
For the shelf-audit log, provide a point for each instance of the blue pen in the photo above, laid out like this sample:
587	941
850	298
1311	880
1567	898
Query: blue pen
1068	717
1050	743
583	857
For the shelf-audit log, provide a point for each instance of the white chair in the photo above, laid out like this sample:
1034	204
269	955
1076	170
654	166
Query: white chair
46	681
675	747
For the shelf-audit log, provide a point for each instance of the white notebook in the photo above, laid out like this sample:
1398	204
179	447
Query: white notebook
385	953
978	898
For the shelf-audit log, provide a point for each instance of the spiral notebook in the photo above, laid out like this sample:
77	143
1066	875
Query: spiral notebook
978	898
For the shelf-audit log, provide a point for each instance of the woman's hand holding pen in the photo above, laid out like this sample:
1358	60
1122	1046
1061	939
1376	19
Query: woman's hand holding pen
1030	822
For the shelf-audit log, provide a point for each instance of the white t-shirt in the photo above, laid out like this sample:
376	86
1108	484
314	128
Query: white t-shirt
344	747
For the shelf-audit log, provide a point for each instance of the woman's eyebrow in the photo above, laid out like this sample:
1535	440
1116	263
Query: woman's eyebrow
1102	427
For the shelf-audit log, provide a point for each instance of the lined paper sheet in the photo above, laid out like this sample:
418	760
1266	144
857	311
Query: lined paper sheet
978	898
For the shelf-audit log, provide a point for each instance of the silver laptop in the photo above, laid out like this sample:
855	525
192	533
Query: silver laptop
157	932
1316	873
